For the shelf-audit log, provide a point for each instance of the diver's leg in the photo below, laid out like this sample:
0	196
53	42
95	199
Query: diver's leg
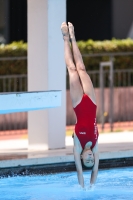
84	77
76	90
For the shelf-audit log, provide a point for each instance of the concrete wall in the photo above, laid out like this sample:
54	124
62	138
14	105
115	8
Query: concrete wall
123	109
2	21
122	18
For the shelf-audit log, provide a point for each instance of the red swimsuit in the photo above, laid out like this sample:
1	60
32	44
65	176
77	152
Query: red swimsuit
86	127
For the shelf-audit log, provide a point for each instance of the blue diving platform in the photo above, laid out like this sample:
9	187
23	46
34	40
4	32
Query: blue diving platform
29	101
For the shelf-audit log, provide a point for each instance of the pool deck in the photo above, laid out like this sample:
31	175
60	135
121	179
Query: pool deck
15	153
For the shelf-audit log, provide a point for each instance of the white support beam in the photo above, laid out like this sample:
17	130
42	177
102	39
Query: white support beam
46	71
29	101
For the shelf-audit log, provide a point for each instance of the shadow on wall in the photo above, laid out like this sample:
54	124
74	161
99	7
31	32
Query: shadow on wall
13	121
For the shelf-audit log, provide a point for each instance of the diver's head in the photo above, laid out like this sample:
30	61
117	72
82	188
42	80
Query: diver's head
87	158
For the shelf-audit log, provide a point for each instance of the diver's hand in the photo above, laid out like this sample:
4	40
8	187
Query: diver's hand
91	186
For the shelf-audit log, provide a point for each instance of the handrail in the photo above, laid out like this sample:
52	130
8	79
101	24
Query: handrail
107	54
13	58
84	55
13	76
90	72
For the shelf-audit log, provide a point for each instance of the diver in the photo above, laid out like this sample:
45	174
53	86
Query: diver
84	104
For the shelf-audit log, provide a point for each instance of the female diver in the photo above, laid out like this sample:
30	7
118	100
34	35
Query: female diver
84	104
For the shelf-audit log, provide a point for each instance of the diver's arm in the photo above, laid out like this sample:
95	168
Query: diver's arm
95	167
94	170
78	166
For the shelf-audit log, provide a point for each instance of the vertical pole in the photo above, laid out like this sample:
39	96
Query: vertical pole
110	64
111	93
102	95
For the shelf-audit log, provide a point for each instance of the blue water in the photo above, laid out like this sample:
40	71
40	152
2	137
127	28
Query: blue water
114	184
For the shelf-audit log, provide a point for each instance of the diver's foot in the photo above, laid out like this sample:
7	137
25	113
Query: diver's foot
65	31
71	31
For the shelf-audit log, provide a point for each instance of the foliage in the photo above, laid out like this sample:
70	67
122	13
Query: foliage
107	46
15	49
19	49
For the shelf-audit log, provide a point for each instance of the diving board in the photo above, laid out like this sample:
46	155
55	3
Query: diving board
29	101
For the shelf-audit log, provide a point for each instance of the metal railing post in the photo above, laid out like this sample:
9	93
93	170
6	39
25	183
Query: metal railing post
102	65
102	95
111	93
